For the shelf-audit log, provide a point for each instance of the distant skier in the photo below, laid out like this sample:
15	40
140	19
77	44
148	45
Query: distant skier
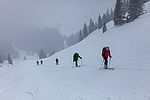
105	54
75	59
57	61
37	62
41	62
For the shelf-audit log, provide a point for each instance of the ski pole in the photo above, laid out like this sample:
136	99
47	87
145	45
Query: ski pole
81	62
109	61
102	63
72	64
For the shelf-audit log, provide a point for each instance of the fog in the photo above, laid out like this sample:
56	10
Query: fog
19	16
67	15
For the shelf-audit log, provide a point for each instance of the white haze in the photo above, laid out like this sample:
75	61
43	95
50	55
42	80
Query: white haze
67	15
17	17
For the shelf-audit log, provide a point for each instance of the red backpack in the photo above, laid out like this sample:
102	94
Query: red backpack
105	52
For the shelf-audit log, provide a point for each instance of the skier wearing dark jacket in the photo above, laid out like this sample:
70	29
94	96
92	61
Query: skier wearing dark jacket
75	58
56	61
105	54
37	62
41	62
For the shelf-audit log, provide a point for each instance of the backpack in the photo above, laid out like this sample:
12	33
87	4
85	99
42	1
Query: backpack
105	52
75	57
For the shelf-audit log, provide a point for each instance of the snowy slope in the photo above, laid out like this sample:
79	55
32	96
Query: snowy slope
130	81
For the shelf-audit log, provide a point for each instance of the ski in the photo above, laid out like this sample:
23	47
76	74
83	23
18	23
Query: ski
76	66
110	68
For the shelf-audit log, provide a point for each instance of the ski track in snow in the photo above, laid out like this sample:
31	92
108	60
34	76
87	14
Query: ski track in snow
51	77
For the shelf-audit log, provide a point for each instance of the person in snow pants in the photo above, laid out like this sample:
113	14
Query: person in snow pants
105	55
37	62
75	58
56	61
41	62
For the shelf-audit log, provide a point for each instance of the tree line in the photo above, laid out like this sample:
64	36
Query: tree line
89	28
125	11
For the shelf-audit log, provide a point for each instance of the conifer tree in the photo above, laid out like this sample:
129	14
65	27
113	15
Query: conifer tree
104	19
119	13
104	28
10	59
100	22
80	36
91	26
135	9
85	31
108	16
96	26
112	14
1	60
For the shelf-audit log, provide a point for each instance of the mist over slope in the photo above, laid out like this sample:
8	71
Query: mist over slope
129	81
129	44
130	51
48	39
18	17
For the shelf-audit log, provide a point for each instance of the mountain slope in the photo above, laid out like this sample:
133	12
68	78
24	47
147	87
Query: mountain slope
129	81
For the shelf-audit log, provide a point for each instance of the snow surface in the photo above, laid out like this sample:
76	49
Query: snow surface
129	81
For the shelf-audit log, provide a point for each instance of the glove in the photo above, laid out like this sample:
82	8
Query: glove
110	57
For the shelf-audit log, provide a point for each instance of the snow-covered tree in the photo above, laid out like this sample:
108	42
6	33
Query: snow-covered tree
80	36
100	24
108	16
119	13
2	58
135	9
96	26
104	19
91	26
112	14
104	28
85	31
9	59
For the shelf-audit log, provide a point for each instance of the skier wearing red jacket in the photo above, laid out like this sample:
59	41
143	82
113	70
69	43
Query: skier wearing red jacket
105	54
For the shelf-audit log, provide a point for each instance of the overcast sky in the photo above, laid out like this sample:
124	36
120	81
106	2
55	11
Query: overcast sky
67	15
